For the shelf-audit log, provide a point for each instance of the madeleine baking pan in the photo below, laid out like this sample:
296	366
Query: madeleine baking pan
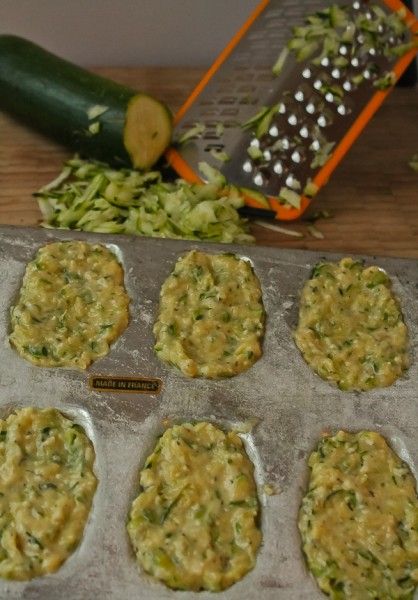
289	405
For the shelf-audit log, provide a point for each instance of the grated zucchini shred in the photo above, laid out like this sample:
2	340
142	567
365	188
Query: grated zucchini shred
91	196
413	163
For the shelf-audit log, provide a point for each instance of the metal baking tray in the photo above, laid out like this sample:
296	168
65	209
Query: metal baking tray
292	405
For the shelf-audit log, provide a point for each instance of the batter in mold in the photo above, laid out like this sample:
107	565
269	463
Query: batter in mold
72	305
211	317
359	519
47	486
194	525
351	329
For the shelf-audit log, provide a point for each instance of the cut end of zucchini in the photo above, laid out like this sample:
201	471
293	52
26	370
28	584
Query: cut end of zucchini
148	130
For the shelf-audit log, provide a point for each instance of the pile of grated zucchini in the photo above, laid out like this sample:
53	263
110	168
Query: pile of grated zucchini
91	196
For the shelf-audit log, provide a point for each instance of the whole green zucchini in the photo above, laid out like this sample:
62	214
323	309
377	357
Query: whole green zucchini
91	114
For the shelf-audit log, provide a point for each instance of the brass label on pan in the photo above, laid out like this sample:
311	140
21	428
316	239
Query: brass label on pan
135	385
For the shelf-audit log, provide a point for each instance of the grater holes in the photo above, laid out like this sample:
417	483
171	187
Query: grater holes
243	77
259	180
274	13
296	114
285	143
292	182
325	119
228	100
211	124
278	167
344	109
247	89
302	93
230	112
317	84
209	112
223	82
224	89
322	83
280	147
210	135
359	60
217	147
298	155
292	12
207	102
273	23
231	124
313	105
247	167
315	146
299	96
371	71
255	36
248	100
292	119
322	121
264	76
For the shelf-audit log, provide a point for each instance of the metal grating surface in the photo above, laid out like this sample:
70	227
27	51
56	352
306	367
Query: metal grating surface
244	83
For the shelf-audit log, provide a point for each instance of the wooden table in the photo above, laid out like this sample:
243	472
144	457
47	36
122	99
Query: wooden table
372	196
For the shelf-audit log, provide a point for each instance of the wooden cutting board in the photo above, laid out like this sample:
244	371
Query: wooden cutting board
372	196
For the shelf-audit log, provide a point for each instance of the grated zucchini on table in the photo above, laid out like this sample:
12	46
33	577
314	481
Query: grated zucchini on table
211	317
351	329
72	305
47	486
194	525
359	519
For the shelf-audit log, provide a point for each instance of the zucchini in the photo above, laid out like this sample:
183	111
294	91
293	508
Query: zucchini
91	114
257	197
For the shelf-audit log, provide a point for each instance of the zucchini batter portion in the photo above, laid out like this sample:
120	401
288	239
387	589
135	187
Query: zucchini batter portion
72	305
211	317
194	525
351	329
47	486
359	519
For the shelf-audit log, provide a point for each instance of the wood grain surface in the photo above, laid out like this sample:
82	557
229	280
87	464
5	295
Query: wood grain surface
372	196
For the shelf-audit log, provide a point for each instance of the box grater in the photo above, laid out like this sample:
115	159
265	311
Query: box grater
321	103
